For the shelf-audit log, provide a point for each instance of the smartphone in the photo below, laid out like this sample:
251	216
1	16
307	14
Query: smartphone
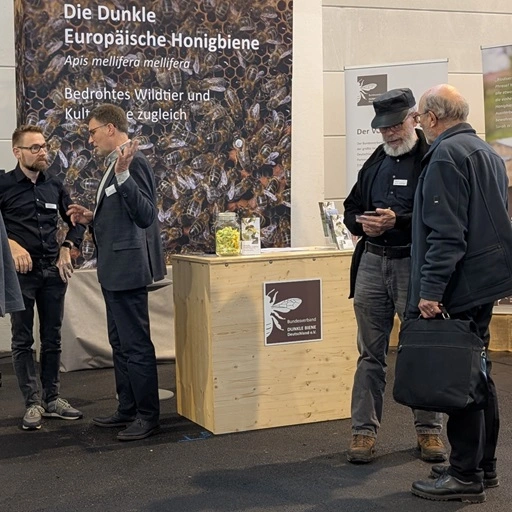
366	214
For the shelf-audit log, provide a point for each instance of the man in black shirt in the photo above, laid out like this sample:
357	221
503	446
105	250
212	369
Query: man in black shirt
30	202
379	210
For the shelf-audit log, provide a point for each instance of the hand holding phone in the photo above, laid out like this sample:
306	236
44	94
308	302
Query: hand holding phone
368	213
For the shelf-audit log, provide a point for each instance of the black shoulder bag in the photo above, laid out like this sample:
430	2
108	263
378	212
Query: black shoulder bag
440	365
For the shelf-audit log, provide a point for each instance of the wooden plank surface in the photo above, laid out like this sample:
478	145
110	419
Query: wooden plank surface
256	386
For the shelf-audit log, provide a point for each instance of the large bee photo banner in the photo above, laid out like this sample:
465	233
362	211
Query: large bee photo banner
206	85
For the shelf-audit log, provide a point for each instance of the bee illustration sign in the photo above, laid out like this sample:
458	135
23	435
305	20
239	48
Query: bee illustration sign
363	84
292	311
371	86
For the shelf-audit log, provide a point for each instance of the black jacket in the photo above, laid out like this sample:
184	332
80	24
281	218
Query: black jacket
461	232
126	231
359	200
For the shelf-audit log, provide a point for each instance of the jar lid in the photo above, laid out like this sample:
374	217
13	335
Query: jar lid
228	215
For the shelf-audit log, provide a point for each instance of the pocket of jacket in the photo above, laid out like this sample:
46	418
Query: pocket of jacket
493	257
125	245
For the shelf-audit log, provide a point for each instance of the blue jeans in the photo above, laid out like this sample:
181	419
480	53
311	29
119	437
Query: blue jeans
381	291
43	287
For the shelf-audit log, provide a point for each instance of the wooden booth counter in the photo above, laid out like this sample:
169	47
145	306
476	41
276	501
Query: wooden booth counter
263	341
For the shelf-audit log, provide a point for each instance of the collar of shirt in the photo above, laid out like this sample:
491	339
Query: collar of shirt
20	175
113	156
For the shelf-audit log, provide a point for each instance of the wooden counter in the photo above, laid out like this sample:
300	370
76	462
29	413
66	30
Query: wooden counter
227	378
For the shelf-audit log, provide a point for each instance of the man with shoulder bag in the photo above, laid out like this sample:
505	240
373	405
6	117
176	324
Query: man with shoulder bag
461	259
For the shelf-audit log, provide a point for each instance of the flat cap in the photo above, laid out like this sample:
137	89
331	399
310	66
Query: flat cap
392	107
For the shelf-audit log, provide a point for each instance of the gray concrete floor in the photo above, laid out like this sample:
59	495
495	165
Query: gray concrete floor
74	466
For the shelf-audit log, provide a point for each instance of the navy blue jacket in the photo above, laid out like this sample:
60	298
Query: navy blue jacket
461	230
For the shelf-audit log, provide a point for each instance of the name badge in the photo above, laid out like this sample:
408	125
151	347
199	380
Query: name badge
400	183
110	190
51	206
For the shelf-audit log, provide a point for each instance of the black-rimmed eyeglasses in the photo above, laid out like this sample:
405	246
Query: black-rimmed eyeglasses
394	127
35	148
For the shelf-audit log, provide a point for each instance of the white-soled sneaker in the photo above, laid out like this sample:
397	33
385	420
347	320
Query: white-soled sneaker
32	419
61	408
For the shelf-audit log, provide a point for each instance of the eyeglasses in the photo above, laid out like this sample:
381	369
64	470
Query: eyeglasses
35	148
93	131
393	128
417	117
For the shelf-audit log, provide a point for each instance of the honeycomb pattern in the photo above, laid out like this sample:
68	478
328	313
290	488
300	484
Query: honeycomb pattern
230	153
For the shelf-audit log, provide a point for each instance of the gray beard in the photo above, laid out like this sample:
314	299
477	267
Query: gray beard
404	148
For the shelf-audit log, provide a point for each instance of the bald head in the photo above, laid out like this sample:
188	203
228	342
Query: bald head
446	102
441	107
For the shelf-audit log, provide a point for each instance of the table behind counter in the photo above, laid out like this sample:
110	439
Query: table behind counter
84	329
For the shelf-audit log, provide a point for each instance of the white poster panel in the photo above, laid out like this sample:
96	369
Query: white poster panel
362	85
497	79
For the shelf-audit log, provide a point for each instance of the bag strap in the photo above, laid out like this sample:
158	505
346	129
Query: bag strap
444	312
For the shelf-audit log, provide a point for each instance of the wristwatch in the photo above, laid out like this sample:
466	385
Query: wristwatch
67	244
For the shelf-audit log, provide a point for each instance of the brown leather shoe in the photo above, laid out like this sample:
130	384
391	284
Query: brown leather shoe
362	449
431	448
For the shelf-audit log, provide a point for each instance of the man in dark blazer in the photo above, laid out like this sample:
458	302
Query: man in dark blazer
130	257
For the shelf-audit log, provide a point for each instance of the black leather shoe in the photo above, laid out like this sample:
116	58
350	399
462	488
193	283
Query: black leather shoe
490	477
449	488
116	420
139	429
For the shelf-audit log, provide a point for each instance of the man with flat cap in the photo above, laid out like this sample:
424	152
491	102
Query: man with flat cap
379	210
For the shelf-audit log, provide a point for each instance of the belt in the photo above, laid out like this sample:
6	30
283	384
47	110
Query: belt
44	262
392	252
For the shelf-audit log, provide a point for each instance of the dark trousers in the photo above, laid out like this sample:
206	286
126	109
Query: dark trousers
43	287
133	353
473	435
